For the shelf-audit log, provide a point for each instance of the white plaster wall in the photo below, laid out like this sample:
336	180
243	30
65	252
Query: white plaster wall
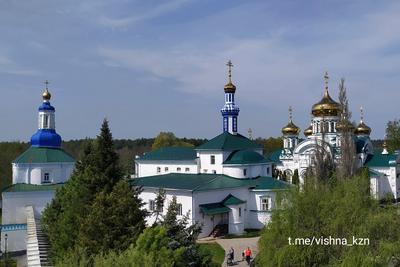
32	173
252	170
14	204
236	222
149	168
388	183
182	197
205	161
16	240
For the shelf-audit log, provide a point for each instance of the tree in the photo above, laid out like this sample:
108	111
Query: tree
347	163
168	139
159	205
393	135
295	177
343	210
272	144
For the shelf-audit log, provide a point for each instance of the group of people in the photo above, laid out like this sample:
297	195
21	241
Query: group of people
246	255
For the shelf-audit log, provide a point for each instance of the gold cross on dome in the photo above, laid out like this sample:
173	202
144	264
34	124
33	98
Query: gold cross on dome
230	65
46	83
326	77
290	112
362	113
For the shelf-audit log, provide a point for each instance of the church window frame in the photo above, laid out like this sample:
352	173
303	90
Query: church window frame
46	177
178	169
212	159
158	169
244	172
180	211
265	203
187	169
152	205
166	169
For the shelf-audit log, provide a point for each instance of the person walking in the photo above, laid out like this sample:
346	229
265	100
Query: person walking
247	254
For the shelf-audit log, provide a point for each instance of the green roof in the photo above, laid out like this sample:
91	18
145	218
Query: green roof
232	200
171	153
274	156
205	182
213	208
31	187
44	155
245	157
381	160
373	173
227	141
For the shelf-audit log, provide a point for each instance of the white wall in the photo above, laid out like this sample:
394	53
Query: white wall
16	240
14	204
33	173
251	170
182	197
388	183
149	168
205	160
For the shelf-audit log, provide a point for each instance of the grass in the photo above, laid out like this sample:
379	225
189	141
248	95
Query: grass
247	233
217	252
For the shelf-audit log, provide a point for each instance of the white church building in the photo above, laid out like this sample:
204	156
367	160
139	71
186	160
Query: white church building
325	131
225	184
37	172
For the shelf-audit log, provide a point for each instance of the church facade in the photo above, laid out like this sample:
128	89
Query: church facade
37	172
325	131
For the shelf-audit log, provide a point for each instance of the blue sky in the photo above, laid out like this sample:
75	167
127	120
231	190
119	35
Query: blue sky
151	66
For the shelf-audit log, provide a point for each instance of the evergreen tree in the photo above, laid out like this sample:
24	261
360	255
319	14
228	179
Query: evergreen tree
295	177
393	135
159	205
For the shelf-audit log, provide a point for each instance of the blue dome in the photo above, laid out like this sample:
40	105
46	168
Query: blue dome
46	138
46	106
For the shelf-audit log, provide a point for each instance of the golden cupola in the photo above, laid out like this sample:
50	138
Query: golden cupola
290	128
46	94
308	131
362	128
229	87
327	106
344	125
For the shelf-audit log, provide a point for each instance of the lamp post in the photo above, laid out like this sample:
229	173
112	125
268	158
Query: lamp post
5	249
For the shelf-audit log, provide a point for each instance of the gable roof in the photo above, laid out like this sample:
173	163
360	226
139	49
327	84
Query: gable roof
245	157
170	153
232	200
206	182
44	155
31	187
381	160
227	141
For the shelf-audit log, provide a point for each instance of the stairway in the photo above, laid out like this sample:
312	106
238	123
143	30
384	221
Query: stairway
219	230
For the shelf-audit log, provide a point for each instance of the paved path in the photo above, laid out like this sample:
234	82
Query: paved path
239	245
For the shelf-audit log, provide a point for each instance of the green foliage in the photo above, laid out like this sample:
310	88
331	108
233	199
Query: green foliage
95	211
215	250
271	144
9	152
168	139
341	210
393	135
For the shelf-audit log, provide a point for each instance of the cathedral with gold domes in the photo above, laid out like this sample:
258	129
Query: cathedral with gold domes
325	131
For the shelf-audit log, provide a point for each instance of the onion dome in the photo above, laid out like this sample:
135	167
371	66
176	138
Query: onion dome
327	106
229	87
308	131
362	128
46	95
290	128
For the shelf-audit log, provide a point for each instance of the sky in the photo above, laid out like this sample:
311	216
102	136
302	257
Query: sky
151	66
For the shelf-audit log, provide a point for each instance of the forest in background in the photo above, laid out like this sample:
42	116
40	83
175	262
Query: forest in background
126	148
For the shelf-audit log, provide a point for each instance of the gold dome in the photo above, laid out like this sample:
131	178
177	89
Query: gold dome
327	106
46	95
308	131
229	87
362	129
291	128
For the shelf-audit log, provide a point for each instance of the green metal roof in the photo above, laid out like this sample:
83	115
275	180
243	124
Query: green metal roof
31	187
232	200
44	155
214	208
381	160
227	141
206	182
170	153
373	173
274	156
245	157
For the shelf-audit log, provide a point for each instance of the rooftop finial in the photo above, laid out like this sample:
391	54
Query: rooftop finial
250	132
326	77
290	113
362	114
230	65
46	94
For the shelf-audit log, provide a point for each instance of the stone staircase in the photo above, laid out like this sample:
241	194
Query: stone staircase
37	247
